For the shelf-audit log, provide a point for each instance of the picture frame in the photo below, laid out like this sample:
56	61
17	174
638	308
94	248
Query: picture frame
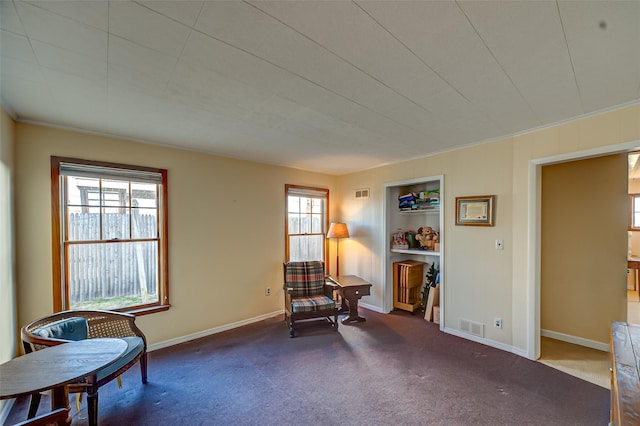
475	210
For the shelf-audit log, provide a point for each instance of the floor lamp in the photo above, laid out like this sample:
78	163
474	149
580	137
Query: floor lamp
338	230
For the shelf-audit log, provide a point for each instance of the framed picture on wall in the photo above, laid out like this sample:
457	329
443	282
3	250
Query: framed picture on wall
475	210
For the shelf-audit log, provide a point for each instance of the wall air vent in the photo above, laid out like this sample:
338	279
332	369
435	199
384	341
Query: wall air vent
362	193
471	327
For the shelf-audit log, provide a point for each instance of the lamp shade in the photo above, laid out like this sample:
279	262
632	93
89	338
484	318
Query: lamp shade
338	230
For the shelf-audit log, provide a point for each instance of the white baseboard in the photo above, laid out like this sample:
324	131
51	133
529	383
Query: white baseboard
372	308
211	331
215	330
488	342
593	344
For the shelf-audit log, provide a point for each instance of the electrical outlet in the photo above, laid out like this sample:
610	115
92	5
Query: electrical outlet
267	291
499	245
497	322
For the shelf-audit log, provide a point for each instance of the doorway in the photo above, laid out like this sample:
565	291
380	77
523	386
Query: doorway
582	262
583	255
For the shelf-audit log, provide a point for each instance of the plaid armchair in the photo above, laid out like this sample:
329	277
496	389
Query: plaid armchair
307	295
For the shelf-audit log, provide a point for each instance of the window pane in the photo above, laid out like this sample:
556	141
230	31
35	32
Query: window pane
115	223
306	247
294	224
144	195
115	193
145	223
112	275
305	224
83	191
293	204
316	224
316	205
83	223
636	220
306	205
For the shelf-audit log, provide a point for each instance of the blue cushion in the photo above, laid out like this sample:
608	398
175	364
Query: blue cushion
135	345
74	328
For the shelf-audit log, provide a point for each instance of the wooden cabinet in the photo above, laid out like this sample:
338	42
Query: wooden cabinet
407	283
408	218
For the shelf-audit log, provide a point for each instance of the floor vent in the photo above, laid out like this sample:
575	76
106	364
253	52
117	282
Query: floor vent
362	193
472	327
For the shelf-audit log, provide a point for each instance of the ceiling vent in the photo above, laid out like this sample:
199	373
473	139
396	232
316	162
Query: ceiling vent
362	193
472	327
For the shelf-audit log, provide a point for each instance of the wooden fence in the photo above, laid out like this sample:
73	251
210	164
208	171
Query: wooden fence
114	269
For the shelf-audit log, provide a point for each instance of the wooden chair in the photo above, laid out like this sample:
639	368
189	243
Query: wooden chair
307	295
67	326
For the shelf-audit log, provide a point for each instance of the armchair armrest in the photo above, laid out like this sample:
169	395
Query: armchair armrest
330	288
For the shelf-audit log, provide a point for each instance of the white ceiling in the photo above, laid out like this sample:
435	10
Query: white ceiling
329	86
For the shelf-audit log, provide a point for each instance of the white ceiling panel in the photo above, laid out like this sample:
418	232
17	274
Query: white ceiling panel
207	52
9	19
185	11
146	27
16	46
69	62
89	12
135	66
328	86
66	33
604	41
461	58
25	85
255	32
385	58
509	29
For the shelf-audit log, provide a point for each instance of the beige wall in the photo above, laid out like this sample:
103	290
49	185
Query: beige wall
8	307
584	246
224	252
226	228
481	283
480	276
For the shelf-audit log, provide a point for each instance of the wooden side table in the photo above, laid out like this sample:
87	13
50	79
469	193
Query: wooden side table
352	288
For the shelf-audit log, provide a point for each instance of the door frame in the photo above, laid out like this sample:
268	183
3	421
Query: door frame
534	230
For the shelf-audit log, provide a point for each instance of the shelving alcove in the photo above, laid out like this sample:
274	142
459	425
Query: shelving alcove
395	218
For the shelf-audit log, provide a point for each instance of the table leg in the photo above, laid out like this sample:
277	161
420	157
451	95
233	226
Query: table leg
353	311
60	399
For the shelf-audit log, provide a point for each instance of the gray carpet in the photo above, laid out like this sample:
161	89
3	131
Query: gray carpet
393	369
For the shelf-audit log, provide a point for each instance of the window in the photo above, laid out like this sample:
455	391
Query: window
306	223
110	246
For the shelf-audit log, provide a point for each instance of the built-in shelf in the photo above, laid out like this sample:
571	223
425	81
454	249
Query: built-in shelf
430	211
420	252
411	220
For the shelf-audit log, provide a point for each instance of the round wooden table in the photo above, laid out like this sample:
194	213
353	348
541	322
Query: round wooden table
56	366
